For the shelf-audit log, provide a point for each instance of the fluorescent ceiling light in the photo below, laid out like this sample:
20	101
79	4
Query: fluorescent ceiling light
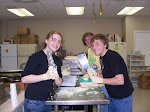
129	10
75	10
21	12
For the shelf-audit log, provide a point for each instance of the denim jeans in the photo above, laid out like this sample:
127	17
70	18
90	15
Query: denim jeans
36	106
120	105
103	88
104	108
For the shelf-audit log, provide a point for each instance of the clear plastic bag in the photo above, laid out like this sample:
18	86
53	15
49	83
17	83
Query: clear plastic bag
65	69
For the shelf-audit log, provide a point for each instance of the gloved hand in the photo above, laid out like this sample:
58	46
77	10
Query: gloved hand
96	79
91	72
93	76
99	73
48	75
51	74
55	73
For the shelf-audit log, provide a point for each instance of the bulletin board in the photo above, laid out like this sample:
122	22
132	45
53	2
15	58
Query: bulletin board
142	43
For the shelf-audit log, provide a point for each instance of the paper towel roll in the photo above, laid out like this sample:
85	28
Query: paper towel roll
13	93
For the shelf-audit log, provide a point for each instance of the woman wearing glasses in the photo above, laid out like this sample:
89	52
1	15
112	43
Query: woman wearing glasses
42	69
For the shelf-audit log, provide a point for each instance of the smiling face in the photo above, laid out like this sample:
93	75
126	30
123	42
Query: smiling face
87	41
99	48
54	42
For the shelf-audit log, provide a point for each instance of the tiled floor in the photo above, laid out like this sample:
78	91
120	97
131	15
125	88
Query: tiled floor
141	100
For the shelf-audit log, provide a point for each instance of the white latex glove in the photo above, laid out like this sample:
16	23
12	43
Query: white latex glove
93	76
96	79
99	73
48	75
54	72
92	72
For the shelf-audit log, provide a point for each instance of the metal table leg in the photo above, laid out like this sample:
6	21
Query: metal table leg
62	108
98	108
86	108
56	108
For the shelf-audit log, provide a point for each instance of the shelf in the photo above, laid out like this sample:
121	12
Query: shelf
136	60
135	71
135	81
136	63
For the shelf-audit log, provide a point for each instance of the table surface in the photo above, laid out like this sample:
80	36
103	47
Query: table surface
89	96
11	71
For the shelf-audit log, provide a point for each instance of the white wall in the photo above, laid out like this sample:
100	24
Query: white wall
135	23
72	29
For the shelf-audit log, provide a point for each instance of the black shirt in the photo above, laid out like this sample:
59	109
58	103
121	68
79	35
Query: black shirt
37	65
114	65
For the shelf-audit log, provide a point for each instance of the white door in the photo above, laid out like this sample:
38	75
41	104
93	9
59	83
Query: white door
141	43
9	57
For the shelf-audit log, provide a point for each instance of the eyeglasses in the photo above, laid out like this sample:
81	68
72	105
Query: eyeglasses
102	65
87	38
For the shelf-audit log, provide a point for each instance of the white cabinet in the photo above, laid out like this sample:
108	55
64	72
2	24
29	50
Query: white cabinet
24	51
13	55
136	63
8	57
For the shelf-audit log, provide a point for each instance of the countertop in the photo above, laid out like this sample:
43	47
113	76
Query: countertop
7	107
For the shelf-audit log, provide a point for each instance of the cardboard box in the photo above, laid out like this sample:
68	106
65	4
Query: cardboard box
17	39
32	39
143	73
144	85
23	30
144	80
24	39
21	39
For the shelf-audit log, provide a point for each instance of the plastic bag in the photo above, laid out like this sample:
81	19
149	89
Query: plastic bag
65	69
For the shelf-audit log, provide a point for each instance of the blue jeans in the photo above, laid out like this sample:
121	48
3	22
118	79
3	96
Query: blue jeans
104	108
120	105
36	106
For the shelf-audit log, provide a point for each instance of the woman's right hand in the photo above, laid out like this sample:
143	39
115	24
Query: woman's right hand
49	75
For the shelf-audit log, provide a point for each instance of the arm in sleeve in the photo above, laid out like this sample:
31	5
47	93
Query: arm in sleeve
27	75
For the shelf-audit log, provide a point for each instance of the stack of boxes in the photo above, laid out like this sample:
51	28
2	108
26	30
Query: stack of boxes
24	37
144	80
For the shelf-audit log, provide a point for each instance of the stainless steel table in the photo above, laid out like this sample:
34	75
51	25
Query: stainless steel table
92	96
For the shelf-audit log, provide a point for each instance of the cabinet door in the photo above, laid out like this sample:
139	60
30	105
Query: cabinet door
26	49
9	63
9	50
